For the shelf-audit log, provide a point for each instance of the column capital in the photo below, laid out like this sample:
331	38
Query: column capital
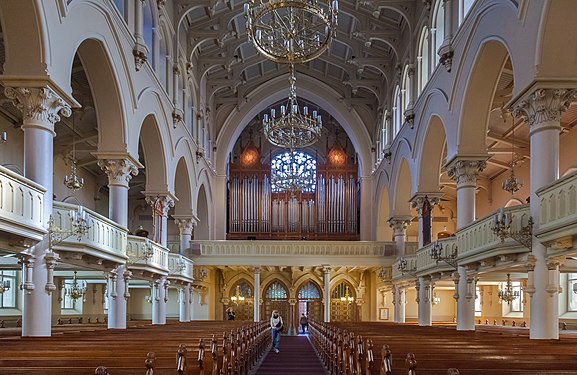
418	200
465	169
38	104
161	202
399	224
326	269
544	105
256	270
119	171
185	224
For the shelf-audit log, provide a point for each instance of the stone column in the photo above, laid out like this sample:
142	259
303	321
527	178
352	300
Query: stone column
160	204
327	293
160	300
542	110
446	50
219	207
424	300
399	300
41	109
185	227
140	50
184	307
425	201
119	172
366	202
256	306
465	170
399	225
291	320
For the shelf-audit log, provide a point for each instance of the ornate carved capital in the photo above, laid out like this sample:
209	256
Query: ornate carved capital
119	171
419	199
185	225
161	202
38	104
465	172
327	270
140	53
544	105
555	262
256	270
399	225
530	263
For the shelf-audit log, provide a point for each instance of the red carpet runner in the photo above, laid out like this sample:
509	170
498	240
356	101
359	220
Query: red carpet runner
296	357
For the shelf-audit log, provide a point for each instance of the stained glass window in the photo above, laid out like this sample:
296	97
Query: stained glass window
276	291
309	291
297	169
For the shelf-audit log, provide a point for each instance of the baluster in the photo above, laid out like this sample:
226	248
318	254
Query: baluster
149	363
201	356
387	367
214	355
181	359
411	363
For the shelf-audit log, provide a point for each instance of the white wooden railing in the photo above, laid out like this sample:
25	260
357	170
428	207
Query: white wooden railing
105	238
21	203
478	237
558	209
180	267
296	248
173	246
146	254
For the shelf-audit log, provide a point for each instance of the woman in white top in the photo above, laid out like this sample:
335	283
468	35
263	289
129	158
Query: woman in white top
276	328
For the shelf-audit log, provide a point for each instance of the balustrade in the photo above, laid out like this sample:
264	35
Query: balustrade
21	203
558	209
180	267
147	255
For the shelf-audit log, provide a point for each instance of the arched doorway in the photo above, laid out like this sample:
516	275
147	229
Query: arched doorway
309	302
276	298
241	299
343	303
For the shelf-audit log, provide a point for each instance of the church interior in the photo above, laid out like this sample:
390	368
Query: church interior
400	169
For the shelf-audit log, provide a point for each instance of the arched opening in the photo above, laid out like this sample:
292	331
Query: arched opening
241	297
182	189
397	111
423	60
343	306
276	298
437	31
202	230
384	231
403	191
309	301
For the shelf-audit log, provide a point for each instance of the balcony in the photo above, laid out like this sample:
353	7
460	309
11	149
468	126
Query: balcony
427	265
146	258
295	253
558	214
102	247
411	267
477	242
21	206
180	268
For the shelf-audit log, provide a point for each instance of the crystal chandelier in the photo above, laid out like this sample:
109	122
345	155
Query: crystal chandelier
76	291
72	181
293	128
512	184
237	298
508	294
291	31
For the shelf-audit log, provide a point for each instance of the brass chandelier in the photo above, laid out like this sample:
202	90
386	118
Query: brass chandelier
76	291
72	181
291	31
512	184
293	128
508	294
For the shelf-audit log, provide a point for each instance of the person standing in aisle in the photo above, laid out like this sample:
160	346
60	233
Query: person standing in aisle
276	325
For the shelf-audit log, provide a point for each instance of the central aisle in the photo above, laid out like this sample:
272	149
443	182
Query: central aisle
296	356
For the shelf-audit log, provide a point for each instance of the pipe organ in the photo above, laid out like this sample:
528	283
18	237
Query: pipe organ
330	211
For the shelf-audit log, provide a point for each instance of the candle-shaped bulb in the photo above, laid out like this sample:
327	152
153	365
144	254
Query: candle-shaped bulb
272	112
246	9
282	109
306	110
314	114
4	137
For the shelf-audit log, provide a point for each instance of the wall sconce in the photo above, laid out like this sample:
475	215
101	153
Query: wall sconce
404	267
502	228
436	253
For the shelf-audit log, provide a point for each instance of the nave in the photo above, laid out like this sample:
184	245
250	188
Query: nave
491	350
